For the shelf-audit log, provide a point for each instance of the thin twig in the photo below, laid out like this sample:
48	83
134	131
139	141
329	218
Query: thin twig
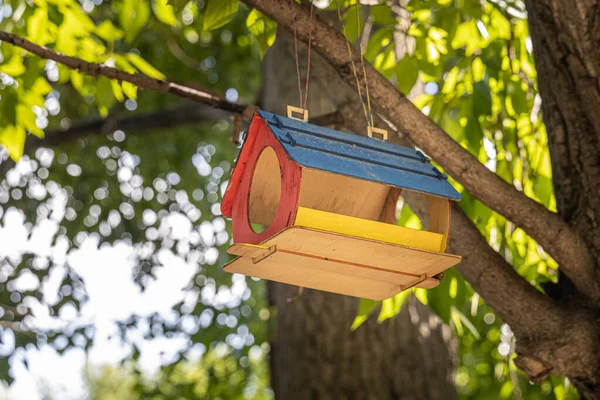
142	81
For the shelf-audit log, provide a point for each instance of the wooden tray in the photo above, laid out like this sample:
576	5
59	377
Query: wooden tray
338	263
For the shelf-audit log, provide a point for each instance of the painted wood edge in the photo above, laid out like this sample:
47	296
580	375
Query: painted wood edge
368	229
439	218
449	255
259	252
373	181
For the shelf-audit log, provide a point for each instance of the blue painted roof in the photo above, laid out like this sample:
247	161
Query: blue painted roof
358	157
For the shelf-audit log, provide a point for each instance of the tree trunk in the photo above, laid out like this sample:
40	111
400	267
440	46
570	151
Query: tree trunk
566	43
314	354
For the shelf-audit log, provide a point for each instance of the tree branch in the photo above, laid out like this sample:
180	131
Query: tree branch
556	236
501	286
506	278
140	80
548	228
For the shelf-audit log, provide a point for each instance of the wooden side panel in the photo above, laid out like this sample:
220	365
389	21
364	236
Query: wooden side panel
388	212
290	174
363	228
341	194
439	218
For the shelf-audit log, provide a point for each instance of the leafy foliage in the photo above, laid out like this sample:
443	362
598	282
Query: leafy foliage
467	64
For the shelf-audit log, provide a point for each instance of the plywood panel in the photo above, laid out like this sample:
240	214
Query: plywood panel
342	195
388	212
340	264
359	227
294	269
373	253
439	217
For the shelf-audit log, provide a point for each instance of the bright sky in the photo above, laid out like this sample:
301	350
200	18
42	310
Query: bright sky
112	296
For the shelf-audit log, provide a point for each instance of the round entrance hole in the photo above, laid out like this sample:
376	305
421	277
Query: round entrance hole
265	191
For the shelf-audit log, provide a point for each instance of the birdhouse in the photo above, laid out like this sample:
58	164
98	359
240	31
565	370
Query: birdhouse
327	202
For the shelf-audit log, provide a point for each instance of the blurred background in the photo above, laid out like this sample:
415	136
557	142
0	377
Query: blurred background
111	238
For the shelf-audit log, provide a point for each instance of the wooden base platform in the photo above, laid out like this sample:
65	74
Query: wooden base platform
337	263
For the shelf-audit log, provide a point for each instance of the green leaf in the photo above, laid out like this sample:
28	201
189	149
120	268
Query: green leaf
117	91
465	321
451	291
499	25
478	68
38	27
365	308
351	24
144	66
8	109
482	98
164	12
516	100
178	4
13	138
262	28
133	16
219	13
14	67
104	96
27	119
382	15
468	36
130	90
407	73
107	31
392	306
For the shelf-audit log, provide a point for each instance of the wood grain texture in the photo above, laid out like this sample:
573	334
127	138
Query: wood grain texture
340	194
439	218
339	263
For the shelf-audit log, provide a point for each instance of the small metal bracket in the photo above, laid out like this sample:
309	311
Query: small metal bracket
266	254
295	110
382	132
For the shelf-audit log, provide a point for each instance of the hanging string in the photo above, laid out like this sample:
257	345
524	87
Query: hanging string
309	46
303	102
362	62
337	4
296	51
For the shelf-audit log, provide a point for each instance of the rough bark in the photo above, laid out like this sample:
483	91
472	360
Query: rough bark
558	238
566	42
314	354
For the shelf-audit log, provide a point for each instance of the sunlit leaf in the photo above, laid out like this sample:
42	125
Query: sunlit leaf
366	307
164	12
219	13
144	66
14	67
263	28
13	138
407	73
107	31
133	15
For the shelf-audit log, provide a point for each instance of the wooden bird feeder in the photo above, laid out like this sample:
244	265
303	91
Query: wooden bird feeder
328	201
